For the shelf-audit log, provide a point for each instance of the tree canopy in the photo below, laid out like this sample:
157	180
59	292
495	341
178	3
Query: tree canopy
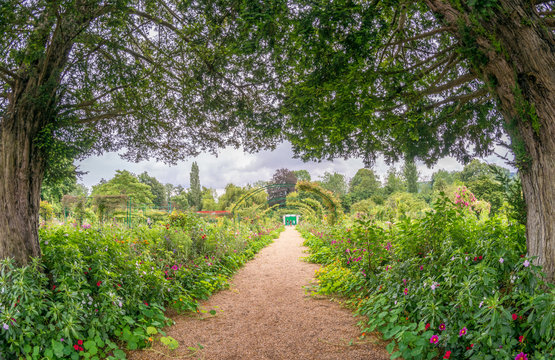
125	183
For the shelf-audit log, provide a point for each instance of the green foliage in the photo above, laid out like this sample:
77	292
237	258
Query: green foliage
393	182
438	275
410	173
195	192
302	175
156	188
334	182
330	201
364	185
98	290
126	184
46	210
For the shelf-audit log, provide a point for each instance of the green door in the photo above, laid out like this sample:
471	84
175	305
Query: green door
291	220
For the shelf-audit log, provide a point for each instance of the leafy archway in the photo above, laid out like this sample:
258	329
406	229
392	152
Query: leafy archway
331	202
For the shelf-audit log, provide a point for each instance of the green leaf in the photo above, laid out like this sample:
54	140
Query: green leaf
119	354
390	347
212	312
151	330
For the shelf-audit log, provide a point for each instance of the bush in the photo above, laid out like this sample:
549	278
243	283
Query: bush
95	290
446	284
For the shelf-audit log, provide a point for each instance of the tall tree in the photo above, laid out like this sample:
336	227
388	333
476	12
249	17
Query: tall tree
393	182
125	183
363	185
410	173
302	175
335	183
284	177
163	79
157	189
427	79
195	192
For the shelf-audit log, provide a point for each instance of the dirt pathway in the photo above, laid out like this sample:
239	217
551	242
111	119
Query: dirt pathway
267	315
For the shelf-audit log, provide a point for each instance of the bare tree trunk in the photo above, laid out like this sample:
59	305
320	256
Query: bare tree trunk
523	78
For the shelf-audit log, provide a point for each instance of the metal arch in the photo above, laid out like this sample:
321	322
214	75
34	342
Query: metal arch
256	191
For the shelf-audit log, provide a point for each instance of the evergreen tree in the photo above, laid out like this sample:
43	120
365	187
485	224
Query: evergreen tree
410	173
195	191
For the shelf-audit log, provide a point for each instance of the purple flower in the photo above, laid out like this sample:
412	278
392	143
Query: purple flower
421	267
526	264
62	340
501	260
462	332
442	326
6	326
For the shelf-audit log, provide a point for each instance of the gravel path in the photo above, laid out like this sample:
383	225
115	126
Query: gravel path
266	314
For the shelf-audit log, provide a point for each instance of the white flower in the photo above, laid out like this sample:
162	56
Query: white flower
501	260
481	303
453	258
466	258
120	304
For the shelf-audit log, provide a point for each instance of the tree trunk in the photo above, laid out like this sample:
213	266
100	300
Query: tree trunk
21	174
526	90
522	77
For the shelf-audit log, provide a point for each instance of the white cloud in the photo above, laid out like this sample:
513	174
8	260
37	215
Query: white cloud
234	166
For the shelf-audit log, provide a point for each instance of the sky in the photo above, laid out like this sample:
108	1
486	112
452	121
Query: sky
234	166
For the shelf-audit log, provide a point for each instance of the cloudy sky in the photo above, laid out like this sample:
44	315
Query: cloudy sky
235	166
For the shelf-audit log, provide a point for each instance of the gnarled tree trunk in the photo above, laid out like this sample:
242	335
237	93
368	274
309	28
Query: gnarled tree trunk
21	174
522	76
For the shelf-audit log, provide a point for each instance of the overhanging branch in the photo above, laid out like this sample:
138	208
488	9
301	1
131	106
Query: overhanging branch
460	98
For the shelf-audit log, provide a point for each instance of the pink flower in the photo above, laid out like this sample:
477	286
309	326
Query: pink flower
521	356
442	326
406	291
462	332
434	339
421	267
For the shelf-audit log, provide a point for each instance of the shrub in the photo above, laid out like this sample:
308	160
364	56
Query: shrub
449	274
95	290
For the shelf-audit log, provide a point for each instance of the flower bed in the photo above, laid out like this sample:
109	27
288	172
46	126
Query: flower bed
445	286
98	291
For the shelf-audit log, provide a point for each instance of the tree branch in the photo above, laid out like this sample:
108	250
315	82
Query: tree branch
5	72
459	98
422	36
451	84
108	115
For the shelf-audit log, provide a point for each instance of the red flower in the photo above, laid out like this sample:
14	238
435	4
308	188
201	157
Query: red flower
146	303
515	316
81	348
99	283
480	257
76	347
475	258
53	287
471	345
447	354
80	342
427	326
520	338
